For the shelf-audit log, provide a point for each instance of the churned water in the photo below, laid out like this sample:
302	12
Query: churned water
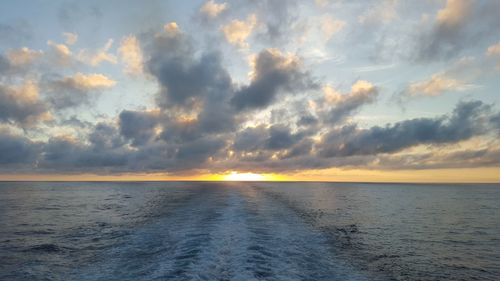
248	231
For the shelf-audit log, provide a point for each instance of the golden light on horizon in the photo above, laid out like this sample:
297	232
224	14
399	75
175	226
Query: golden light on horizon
236	176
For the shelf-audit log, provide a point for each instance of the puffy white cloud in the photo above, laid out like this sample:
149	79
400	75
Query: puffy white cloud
131	54
90	81
171	29
454	13
213	9
436	85
237	31
62	52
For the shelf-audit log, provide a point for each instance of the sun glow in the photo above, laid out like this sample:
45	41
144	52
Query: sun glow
235	176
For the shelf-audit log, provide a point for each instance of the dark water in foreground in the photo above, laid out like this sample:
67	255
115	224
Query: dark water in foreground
248	231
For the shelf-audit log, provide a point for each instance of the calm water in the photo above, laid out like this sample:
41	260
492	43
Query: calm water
248	231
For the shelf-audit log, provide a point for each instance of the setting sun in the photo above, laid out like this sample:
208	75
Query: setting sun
235	176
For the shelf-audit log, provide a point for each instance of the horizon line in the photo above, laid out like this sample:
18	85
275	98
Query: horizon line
260	181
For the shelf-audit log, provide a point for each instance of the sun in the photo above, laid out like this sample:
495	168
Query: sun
235	176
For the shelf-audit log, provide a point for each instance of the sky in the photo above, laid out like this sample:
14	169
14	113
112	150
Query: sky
258	89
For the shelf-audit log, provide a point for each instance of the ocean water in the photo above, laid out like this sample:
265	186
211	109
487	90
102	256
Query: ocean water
248	231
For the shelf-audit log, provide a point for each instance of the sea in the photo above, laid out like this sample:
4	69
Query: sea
248	231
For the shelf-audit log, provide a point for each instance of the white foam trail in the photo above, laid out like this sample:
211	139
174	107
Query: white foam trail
226	233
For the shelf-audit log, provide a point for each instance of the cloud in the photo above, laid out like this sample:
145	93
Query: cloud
23	56
466	121
16	150
89	81
339	106
275	147
457	24
436	85
273	73
250	139
21	104
67	154
105	136
199	151
73	91
212	9
194	89
171	29
454	13
186	79
278	21
455	78
138	126
265	144
237	31
70	38
131	54
280	137
493	51
206	118
99	56
61	52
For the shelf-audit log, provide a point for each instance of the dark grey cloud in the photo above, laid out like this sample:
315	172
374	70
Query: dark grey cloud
16	150
467	120
307	120
276	137
274	74
74	121
495	120
198	151
180	132
466	158
138	126
250	139
183	76
104	151
280	137
275	148
62	95
190	84
105	136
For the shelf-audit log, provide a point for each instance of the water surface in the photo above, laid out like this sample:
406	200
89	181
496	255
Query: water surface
248	231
